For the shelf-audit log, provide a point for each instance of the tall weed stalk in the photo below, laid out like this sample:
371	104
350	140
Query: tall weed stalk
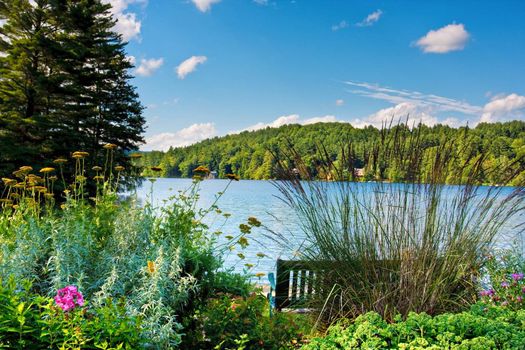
396	247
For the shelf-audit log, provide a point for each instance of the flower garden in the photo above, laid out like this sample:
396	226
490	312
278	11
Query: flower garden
92	270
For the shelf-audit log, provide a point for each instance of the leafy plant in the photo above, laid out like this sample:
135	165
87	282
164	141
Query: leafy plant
228	321
160	263
28	320
480	328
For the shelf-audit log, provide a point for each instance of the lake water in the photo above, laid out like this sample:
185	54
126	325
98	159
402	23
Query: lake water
242	199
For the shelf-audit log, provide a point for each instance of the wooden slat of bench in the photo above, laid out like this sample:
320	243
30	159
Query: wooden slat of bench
293	296
302	285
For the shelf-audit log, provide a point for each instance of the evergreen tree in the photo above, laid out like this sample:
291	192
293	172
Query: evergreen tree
64	84
25	74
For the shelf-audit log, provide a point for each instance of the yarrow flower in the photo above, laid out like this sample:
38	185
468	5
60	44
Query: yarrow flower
505	284
68	298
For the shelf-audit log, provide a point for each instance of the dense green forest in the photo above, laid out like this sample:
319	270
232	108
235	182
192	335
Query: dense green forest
251	155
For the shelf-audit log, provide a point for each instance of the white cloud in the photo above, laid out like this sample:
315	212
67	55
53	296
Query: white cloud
370	19
324	119
184	137
290	119
148	67
396	96
396	114
189	65
131	59
341	25
127	23
339	102
261	2
204	5
452	37
504	108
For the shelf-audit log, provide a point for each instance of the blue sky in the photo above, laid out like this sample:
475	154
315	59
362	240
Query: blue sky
211	67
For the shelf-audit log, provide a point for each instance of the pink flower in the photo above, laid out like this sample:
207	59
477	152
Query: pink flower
68	298
505	284
517	276
486	293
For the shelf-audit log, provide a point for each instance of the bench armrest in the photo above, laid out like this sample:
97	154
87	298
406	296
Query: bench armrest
271	278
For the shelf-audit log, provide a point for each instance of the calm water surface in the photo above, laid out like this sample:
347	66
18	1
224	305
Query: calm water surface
243	199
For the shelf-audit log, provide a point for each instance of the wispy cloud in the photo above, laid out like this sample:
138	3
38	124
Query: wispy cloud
148	67
341	25
396	96
427	107
204	5
127	23
452	37
189	65
184	137
261	2
339	102
370	19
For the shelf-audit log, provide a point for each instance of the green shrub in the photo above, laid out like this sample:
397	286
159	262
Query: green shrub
480	328
161	262
30	321
226	321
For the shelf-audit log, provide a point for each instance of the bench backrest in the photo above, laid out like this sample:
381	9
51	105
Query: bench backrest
295	283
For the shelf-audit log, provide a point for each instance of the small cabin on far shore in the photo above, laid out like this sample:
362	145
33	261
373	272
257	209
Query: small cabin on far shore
359	172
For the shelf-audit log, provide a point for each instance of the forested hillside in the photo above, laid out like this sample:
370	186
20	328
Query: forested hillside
251	154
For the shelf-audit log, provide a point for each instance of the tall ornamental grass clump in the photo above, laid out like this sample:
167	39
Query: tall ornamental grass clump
394	248
157	262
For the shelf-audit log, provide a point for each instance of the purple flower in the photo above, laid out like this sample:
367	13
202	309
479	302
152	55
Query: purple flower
505	284
68	298
486	293
517	276
519	299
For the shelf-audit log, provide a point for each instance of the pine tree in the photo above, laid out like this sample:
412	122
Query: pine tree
100	105
25	75
65	78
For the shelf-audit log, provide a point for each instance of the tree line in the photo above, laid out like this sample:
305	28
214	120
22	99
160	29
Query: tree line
254	155
64	84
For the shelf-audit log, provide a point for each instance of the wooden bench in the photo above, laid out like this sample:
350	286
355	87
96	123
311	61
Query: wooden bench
293	284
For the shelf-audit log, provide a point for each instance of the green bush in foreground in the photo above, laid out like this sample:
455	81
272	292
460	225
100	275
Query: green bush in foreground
160	263
31	321
480	328
234	322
